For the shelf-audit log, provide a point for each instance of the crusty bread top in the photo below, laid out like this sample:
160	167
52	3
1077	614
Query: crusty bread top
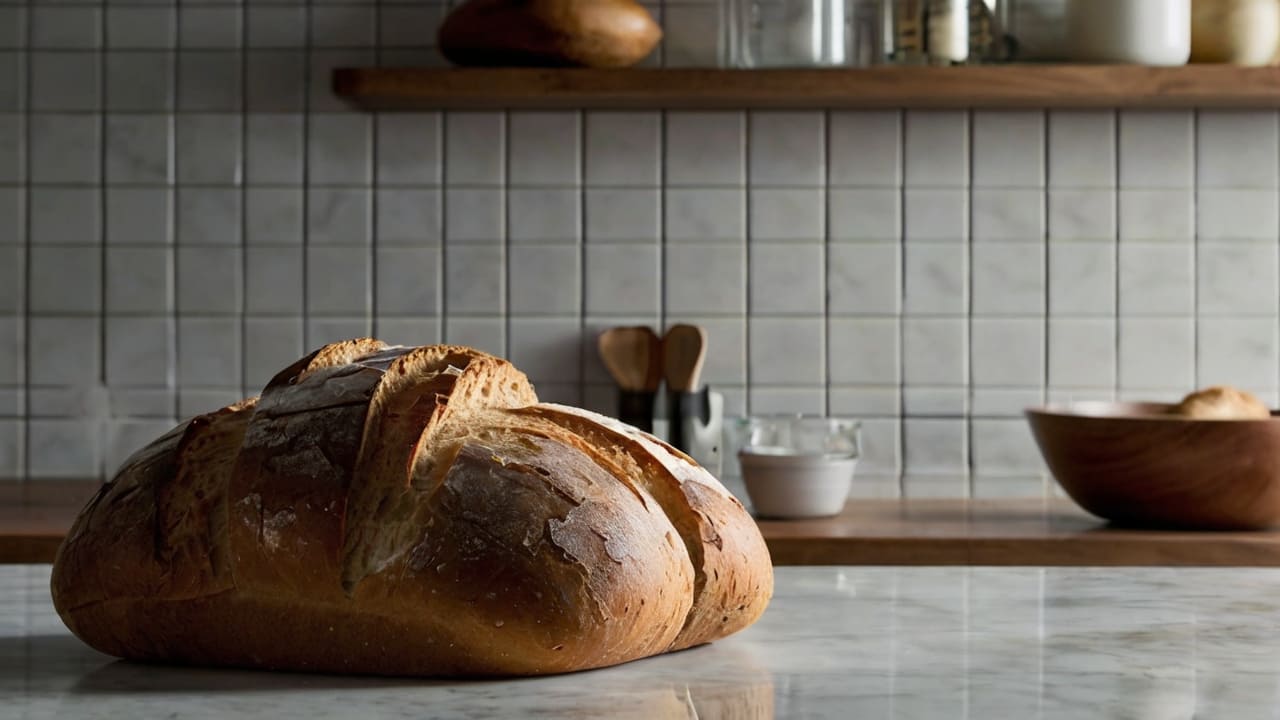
1222	402
426	487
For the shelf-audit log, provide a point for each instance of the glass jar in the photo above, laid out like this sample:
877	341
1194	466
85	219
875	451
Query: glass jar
926	31
786	33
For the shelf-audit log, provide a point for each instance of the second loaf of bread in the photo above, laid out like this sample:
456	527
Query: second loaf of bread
408	511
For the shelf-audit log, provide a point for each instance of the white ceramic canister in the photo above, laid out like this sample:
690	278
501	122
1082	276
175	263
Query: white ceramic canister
1141	32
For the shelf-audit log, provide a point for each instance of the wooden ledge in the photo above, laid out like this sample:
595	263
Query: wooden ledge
982	86
35	516
1001	532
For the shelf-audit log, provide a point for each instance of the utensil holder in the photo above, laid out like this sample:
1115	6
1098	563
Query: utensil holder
695	423
635	407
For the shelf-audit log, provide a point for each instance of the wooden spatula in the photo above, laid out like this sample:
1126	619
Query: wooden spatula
633	356
684	348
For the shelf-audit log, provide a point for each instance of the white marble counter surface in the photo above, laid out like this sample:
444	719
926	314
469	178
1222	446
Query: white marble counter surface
836	642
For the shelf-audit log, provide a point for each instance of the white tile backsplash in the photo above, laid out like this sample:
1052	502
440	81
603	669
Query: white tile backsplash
935	279
785	279
13	148
705	148
1082	148
140	80
935	351
274	151
1237	279
339	149
475	148
936	148
864	278
187	208
545	280
1224	161
786	351
139	149
1082	352
1157	353
209	280
935	215
544	215
1082	279
65	279
706	215
1008	149
623	149
139	280
1008	278
1007	352
1238	351
273	280
1237	215
706	279
1082	214
792	215
64	216
864	351
64	80
544	149
65	148
1157	278
865	148
786	149
1007	214
621	279
1157	148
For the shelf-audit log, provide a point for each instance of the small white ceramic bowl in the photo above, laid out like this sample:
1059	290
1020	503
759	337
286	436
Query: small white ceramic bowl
796	466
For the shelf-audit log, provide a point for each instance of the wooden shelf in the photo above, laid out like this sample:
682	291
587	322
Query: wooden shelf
1006	86
35	516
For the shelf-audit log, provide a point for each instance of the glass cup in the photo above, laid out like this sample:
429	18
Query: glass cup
795	466
787	33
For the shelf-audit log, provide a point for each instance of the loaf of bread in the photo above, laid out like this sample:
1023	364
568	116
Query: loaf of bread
408	511
1222	402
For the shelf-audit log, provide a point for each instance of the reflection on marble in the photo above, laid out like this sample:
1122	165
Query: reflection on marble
837	642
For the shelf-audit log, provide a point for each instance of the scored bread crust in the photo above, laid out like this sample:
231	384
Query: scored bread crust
408	511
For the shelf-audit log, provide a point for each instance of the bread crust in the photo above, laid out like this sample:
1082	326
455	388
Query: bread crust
1222	402
408	511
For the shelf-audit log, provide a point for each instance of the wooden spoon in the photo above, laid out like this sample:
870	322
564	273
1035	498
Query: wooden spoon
633	356
684	348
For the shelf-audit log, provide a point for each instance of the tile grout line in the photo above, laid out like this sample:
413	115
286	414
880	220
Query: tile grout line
1116	120
1195	248
442	153
245	390
305	179
584	341
504	244
106	420
171	189
24	460
825	257
901	118
967	356
744	148
371	167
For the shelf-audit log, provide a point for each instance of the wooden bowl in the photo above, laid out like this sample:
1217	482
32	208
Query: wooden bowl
1135	464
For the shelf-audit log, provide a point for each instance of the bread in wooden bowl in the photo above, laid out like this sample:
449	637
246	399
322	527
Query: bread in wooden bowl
548	33
1221	402
408	511
1148	464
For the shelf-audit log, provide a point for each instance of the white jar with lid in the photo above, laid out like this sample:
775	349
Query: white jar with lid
1142	32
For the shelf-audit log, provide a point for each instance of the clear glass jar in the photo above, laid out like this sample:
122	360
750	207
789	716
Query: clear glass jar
786	33
927	31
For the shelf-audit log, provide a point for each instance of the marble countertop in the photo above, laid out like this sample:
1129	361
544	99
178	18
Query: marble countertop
886	642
